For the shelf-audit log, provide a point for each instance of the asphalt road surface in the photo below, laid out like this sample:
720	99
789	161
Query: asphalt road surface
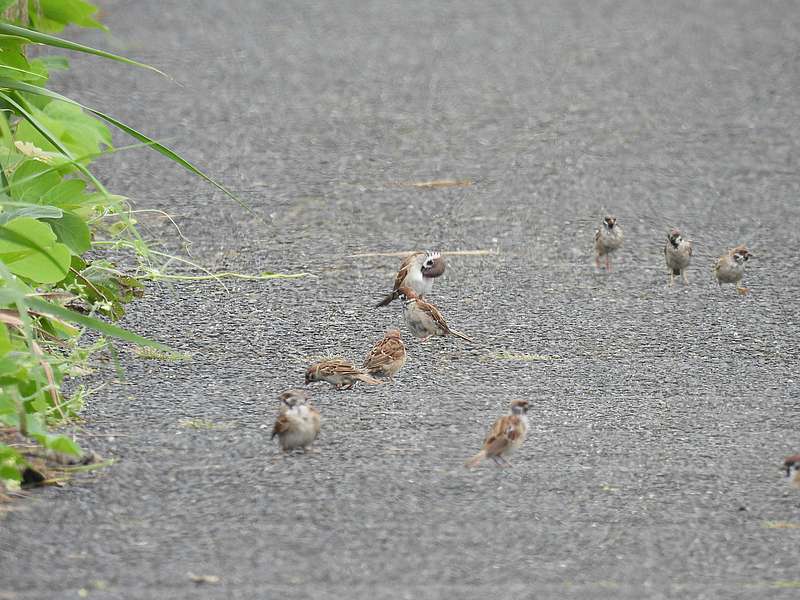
659	417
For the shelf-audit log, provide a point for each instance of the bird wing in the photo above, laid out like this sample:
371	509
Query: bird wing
281	425
405	268
718	266
434	314
504	431
384	353
338	367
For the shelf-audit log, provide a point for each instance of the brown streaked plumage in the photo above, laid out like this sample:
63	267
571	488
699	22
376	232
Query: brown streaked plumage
298	422
339	373
424	319
607	239
505	436
417	271
387	356
730	267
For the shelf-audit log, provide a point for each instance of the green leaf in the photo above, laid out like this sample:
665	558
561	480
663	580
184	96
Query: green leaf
4	4
49	40
48	135
54	15
34	212
73	128
32	180
48	308
63	444
11	472
28	248
72	231
50	63
68	193
13	62
172	155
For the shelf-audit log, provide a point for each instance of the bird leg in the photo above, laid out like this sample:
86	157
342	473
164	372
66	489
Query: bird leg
685	279
671	279
597	262
608	263
743	291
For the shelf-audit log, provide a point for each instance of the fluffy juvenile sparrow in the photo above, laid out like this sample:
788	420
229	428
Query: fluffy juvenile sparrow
505	436
424	319
607	239
677	252
417	271
730	267
387	357
792	466
297	425
339	373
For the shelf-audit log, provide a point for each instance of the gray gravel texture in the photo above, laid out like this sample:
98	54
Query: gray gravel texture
659	416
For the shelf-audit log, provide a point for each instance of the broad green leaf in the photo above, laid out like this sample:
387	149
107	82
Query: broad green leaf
50	63
42	129
35	212
10	472
63	444
72	231
32	180
13	62
74	129
39	257
53	15
172	155
9	367
48	308
49	40
68	193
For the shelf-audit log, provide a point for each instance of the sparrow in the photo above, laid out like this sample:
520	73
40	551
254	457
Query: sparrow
417	271
387	357
730	267
505	436
792	466
607	239
424	319
297	425
339	373
677	252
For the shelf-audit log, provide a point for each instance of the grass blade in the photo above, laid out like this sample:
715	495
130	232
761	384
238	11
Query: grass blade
49	136
48	308
158	147
51	40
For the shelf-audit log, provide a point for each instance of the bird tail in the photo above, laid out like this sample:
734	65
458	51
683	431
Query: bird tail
475	460
369	379
462	336
387	300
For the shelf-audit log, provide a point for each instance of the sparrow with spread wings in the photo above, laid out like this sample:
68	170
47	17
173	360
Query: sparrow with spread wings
417	271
